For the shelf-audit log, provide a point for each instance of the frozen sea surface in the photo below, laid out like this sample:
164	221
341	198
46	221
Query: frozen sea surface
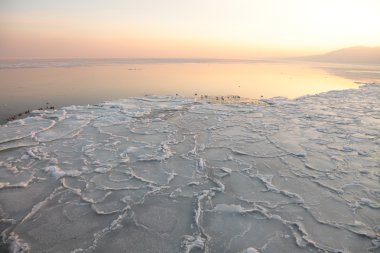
170	174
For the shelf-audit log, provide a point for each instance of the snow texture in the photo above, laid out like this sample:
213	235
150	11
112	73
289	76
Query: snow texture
171	174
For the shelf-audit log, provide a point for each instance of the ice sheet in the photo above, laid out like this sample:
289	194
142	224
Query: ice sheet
173	174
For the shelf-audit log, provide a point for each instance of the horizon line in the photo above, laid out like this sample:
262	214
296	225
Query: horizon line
142	58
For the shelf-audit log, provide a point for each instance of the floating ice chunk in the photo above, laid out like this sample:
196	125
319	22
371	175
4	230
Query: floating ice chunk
16	244
150	152
57	172
132	149
103	169
25	157
62	129
31	154
19	129
363	153
290	142
250	250
369	202
129	109
227	170
109	207
20	143
360	228
193	242
124	158
94	195
348	149
228	208
320	162
201	165
18	180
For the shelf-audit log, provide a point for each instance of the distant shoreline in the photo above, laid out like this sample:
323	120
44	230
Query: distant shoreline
76	62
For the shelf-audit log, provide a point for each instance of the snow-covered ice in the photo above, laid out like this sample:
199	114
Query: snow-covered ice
171	174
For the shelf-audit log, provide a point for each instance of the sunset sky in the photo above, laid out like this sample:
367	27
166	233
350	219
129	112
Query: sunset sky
245	29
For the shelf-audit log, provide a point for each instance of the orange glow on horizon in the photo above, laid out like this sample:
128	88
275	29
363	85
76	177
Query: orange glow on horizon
217	29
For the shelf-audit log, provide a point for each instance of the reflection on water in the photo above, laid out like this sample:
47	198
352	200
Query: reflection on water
30	88
363	73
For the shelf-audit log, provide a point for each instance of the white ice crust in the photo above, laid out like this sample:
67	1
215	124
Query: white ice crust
172	174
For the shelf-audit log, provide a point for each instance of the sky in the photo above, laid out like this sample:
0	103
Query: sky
244	29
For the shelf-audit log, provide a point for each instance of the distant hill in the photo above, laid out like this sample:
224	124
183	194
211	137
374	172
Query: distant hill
350	55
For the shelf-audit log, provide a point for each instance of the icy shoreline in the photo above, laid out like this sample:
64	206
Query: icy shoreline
169	174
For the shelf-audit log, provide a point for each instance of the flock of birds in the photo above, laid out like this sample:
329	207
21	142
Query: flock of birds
48	107
216	97
16	116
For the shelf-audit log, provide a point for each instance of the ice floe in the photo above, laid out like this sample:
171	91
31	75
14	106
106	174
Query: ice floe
174	174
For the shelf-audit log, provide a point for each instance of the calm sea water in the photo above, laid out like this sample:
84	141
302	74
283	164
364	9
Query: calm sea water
29	85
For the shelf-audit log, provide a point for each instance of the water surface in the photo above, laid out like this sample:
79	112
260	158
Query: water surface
29	85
